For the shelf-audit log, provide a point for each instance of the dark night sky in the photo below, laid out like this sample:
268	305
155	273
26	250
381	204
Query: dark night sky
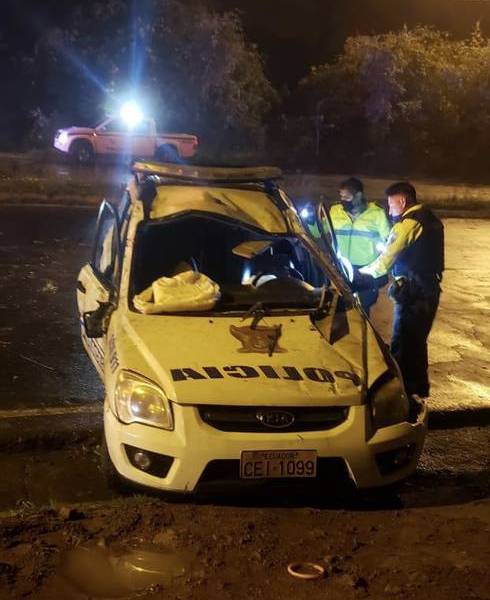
292	34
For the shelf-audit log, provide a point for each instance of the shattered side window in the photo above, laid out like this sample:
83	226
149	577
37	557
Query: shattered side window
105	260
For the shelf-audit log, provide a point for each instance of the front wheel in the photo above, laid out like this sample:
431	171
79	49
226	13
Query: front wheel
82	152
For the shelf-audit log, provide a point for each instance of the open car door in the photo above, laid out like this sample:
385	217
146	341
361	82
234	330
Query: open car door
328	241
97	285
325	227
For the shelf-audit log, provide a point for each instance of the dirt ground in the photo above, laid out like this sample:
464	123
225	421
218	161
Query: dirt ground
220	552
429	537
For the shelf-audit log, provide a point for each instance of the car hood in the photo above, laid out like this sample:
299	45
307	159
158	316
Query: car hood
221	360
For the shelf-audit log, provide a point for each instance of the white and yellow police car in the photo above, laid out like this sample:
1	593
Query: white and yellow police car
230	345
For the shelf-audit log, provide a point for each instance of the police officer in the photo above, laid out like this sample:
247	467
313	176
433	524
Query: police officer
415	255
361	227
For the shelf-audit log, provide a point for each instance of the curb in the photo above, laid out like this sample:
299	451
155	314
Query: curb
13	199
459	418
93	201
45	433
462	213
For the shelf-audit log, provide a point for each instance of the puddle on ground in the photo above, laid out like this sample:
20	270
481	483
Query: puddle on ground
99	571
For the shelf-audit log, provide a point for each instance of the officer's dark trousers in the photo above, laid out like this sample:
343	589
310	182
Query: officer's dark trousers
368	299
411	327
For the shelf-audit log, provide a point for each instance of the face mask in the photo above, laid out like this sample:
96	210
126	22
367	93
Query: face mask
357	204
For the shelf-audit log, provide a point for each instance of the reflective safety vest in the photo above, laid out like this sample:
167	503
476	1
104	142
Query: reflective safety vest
359	237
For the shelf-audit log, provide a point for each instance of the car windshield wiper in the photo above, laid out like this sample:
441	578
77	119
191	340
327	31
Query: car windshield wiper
326	295
257	312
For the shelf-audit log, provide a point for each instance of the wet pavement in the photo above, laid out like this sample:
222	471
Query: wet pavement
459	344
43	363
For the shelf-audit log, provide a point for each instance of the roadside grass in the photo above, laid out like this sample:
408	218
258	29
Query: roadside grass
437	195
44	176
48	187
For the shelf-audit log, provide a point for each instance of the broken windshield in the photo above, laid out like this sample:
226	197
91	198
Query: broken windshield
235	266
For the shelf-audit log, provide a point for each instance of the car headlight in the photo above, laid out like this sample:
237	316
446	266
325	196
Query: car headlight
138	400
63	137
389	404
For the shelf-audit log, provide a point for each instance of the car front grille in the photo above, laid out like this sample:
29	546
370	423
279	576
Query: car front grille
267	419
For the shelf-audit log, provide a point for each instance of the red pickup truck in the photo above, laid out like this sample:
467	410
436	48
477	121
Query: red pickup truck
113	137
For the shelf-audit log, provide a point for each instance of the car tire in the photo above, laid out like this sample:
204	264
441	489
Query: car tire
167	153
110	475
82	152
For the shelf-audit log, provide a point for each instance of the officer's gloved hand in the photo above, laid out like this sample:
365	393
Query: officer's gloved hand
400	291
362	281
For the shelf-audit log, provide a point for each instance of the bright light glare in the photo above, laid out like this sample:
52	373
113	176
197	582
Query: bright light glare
304	213
246	276
380	247
131	114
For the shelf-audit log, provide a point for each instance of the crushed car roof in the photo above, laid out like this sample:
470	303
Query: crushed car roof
239	193
252	207
196	173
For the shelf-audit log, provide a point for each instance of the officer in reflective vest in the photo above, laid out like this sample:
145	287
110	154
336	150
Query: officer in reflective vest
361	229
415	255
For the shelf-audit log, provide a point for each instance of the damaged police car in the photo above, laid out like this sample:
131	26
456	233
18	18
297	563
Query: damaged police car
230	345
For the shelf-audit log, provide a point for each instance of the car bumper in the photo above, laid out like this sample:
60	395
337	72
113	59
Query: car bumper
61	146
194	445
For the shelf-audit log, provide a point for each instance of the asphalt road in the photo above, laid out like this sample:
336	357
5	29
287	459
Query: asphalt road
459	344
43	364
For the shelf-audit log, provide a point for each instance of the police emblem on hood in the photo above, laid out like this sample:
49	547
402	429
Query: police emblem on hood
260	339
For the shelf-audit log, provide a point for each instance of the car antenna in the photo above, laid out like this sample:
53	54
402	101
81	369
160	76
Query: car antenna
320	311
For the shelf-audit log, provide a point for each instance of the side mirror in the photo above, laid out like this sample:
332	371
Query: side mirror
96	322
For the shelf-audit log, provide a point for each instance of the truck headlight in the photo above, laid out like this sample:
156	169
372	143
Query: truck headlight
389	403
138	400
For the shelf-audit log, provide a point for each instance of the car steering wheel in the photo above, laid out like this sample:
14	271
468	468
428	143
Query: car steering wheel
292	274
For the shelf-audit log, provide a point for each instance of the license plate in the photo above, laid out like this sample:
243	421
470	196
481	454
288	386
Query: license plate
269	464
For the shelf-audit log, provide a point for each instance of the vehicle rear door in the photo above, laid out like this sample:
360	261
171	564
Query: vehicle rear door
98	281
